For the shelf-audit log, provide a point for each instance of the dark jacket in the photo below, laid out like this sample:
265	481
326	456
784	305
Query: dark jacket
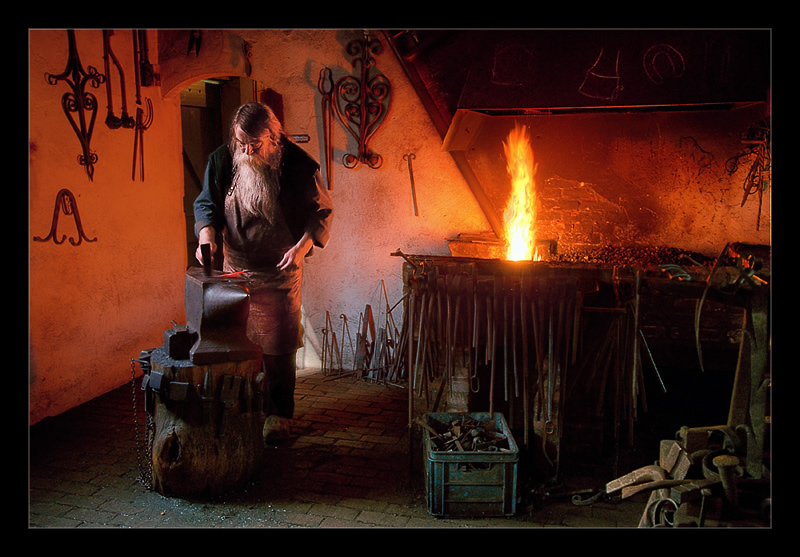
306	206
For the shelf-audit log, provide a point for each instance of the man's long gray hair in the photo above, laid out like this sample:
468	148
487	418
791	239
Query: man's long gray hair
254	119
255	179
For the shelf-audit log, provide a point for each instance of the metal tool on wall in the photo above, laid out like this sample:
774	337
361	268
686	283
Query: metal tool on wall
124	120
758	179
143	71
195	39
65	203
361	103
141	51
409	157
325	86
143	122
247	54
78	102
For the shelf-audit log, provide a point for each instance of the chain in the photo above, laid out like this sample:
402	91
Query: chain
145	469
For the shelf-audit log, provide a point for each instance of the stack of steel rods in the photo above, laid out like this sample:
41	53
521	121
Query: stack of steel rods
512	333
374	353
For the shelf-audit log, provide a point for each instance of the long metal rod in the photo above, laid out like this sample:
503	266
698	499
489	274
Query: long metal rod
409	157
325	86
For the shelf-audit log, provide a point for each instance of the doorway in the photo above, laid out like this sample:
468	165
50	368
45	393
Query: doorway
207	107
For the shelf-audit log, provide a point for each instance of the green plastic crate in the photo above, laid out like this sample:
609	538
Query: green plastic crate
470	483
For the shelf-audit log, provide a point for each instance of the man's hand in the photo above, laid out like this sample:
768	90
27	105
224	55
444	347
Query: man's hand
206	236
293	258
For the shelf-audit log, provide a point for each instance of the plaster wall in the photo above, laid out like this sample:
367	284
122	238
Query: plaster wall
94	306
374	213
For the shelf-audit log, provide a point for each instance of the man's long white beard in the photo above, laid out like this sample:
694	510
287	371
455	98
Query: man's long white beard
255	185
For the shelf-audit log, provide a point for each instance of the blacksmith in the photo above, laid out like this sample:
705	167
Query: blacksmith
266	197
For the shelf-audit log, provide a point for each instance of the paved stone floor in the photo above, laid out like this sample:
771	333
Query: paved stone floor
349	465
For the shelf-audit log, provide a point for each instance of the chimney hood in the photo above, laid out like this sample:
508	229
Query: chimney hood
526	73
578	92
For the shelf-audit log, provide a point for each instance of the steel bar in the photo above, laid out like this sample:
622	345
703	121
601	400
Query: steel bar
409	157
325	86
495	313
634	355
525	355
506	330
474	379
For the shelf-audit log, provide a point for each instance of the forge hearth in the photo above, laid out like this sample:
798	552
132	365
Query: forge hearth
573	350
645	145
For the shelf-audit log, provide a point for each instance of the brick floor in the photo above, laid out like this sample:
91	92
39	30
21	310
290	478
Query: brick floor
348	466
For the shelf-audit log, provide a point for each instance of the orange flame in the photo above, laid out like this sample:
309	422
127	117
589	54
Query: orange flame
520	212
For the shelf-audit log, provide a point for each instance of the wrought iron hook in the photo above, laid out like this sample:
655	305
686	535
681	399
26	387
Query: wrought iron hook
65	202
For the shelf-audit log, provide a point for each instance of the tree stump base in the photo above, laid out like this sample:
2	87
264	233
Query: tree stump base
208	421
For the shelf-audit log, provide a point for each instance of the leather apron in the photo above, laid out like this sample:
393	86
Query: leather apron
255	245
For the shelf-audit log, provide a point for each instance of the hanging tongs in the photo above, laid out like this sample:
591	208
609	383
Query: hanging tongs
112	121
325	86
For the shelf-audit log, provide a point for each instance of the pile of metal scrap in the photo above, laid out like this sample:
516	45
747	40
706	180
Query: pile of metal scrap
720	475
701	479
618	255
468	434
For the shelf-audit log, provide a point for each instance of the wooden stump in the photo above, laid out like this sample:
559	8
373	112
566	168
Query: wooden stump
208	423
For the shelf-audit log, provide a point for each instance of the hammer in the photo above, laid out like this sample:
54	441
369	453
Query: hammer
205	250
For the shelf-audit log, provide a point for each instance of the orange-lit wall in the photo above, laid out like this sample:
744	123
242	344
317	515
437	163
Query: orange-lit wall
93	307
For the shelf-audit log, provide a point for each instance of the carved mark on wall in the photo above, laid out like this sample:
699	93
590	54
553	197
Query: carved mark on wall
65	203
79	103
662	62
602	79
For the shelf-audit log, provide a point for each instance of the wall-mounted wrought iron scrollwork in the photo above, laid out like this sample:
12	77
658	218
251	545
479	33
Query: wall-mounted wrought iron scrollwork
65	203
78	103
362	104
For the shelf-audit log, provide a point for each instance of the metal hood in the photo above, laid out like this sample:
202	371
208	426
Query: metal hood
472	81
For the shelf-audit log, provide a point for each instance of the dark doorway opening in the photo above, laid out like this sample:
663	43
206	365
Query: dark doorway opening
207	107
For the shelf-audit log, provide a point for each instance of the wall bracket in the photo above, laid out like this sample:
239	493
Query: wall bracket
65	203
79	103
362	104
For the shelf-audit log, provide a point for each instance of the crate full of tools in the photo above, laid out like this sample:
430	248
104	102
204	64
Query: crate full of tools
470	465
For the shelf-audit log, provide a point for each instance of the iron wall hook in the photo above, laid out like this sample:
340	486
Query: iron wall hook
65	202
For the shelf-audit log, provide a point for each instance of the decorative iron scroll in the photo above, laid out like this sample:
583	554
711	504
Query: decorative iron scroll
79	103
65	203
362	104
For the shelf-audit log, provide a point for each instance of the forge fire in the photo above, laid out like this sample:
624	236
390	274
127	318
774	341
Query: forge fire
520	213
